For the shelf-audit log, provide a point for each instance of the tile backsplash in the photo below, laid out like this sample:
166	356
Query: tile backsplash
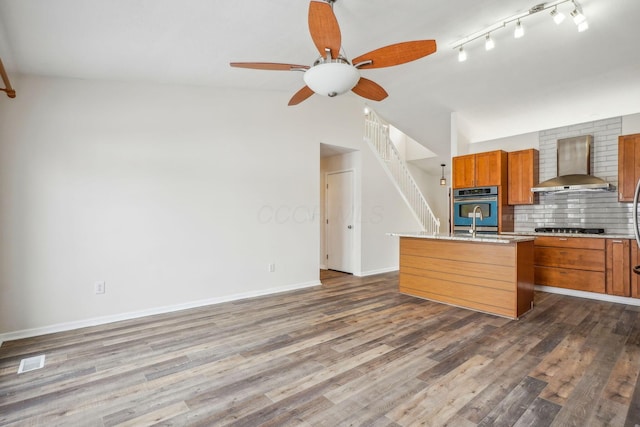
581	209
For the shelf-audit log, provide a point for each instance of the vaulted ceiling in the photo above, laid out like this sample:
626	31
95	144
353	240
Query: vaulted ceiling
553	76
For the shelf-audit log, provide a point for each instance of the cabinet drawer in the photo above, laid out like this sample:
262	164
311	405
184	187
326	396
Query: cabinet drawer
589	281
582	259
571	242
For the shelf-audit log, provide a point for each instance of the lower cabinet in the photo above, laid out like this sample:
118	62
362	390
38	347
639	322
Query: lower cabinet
571	263
618	267
588	264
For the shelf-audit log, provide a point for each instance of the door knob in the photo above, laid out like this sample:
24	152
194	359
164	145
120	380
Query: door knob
349	227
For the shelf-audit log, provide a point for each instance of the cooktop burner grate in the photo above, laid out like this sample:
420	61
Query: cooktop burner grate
570	230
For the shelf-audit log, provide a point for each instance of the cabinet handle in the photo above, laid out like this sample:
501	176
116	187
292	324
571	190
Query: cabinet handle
562	239
617	241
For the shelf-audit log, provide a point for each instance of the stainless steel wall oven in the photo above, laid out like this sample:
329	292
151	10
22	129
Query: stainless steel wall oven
464	202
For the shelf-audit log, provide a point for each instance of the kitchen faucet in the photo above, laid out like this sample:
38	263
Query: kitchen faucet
473	220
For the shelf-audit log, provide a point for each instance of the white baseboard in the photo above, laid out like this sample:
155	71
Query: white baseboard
67	326
589	295
374	272
323	267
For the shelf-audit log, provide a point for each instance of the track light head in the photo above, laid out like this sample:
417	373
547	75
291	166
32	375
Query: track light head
583	26
558	17
519	31
577	16
489	43
462	55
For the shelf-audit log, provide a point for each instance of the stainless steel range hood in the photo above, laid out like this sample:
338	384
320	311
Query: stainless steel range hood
574	169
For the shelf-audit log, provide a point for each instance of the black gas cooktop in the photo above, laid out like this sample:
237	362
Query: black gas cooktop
570	230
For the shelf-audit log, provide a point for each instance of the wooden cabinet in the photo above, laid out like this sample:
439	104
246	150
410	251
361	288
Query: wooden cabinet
464	171
479	170
618	267
490	277
571	263
628	166
522	175
586	264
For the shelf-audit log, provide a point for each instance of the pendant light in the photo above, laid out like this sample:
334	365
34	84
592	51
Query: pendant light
443	180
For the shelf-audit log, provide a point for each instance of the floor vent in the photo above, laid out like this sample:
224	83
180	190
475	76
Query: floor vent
31	364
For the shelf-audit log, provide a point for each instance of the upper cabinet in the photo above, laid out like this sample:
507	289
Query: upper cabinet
523	174
479	170
628	166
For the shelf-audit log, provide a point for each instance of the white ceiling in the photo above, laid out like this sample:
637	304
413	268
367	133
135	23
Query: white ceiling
554	76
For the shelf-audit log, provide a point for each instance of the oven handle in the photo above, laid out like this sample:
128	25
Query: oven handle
482	200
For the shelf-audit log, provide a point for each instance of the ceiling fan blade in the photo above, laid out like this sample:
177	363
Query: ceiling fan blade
370	90
269	66
301	95
324	28
395	54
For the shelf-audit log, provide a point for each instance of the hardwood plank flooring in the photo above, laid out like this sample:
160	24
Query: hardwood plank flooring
351	352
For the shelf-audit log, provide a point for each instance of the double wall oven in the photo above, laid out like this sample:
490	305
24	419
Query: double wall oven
465	201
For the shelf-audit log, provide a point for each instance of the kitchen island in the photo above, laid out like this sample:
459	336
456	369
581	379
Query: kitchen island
492	274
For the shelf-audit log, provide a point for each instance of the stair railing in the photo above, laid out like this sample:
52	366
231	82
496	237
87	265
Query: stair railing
377	136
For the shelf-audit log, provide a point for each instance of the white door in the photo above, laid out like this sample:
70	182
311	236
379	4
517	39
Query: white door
340	221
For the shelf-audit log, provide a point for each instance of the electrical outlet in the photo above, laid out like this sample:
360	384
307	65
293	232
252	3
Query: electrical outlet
272	268
100	287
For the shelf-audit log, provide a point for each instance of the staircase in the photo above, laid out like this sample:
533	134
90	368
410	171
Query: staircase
377	136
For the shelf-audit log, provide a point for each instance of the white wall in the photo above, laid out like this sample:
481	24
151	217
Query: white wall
174	195
510	143
631	124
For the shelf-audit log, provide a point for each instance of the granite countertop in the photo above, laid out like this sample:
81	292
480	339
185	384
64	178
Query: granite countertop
482	238
579	235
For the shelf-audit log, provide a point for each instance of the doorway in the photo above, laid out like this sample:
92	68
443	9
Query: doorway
339	195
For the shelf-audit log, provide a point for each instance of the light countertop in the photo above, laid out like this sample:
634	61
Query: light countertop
482	238
579	235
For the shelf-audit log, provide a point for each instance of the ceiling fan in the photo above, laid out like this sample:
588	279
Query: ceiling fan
332	74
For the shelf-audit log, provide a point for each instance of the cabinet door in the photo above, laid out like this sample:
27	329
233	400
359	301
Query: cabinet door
489	168
464	171
523	174
628	166
618	267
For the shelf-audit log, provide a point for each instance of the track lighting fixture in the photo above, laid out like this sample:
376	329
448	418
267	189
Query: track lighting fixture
488	43
558	17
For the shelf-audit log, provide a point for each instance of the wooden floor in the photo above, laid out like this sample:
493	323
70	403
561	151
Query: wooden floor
350	352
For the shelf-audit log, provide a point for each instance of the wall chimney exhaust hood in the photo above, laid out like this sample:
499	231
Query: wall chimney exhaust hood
574	169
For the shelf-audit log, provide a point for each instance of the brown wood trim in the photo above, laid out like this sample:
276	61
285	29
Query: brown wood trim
590	281
571	242
480	252
579	259
476	275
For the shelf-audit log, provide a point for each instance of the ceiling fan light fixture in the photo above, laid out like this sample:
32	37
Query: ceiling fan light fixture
332	78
